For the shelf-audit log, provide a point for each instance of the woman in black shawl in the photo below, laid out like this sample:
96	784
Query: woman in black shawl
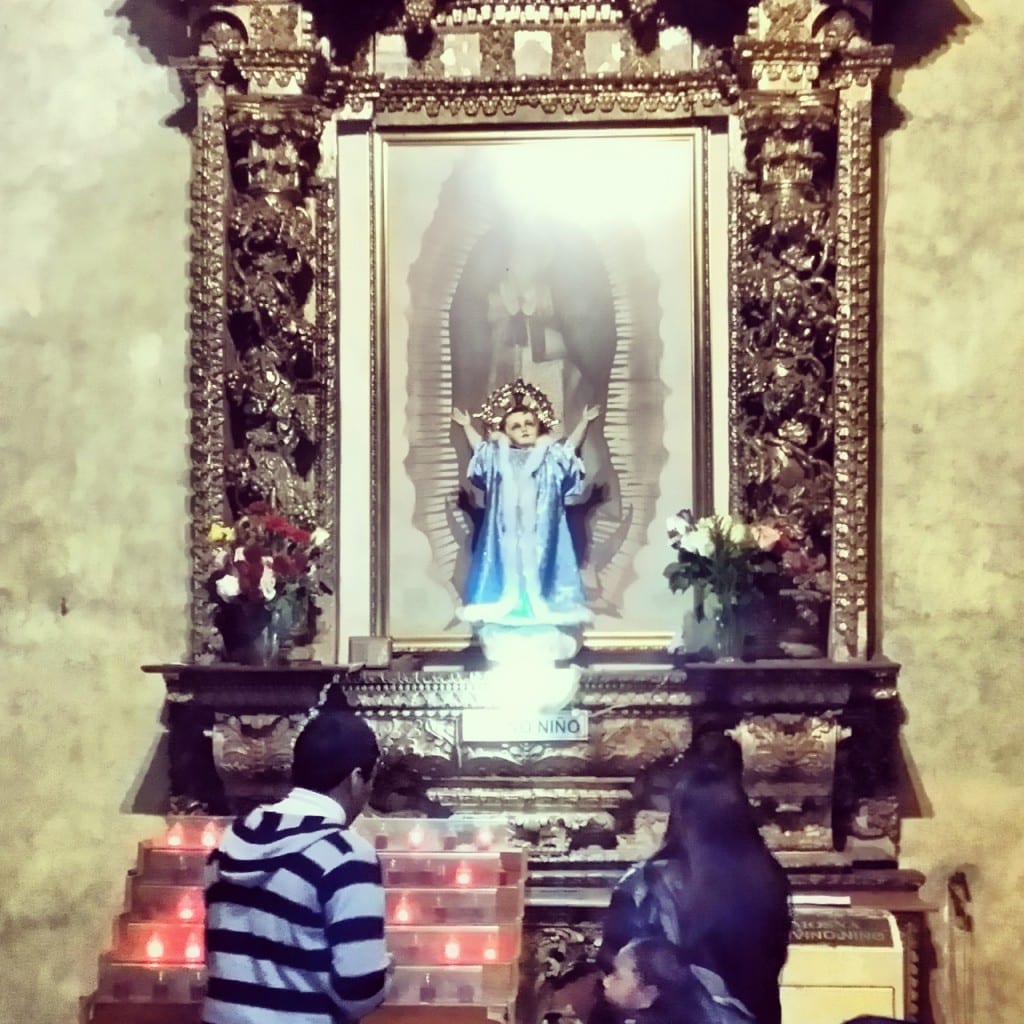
713	889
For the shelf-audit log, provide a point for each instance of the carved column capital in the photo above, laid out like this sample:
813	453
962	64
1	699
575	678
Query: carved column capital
275	143
789	764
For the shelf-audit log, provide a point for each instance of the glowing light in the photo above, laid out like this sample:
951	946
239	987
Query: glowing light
526	673
155	947
187	910
210	836
403	912
193	948
416	837
490	953
452	949
463	876
175	835
569	179
485	838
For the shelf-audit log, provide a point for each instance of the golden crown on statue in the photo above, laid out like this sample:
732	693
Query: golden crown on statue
516	395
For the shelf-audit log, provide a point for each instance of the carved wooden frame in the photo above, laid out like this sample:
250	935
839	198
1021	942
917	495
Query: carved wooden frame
796	90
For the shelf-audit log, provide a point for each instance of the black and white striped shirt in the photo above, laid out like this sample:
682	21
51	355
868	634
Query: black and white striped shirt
294	918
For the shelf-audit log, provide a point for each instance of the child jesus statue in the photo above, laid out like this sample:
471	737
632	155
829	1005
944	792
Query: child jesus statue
524	570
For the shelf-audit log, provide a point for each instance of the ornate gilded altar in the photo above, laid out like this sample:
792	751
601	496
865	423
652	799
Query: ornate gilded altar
287	283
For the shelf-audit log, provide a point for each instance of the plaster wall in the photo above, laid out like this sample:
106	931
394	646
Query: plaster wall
93	474
950	494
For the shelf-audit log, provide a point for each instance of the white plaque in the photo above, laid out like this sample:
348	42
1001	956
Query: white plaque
492	726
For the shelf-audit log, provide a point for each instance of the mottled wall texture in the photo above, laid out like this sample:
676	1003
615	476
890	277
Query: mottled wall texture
951	483
93	434
93	462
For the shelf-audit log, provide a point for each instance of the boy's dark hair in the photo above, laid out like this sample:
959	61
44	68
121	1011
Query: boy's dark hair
330	747
661	963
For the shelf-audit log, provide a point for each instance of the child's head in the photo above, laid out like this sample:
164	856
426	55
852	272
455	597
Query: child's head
643	971
522	427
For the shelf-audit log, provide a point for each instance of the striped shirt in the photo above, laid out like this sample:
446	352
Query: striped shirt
294	918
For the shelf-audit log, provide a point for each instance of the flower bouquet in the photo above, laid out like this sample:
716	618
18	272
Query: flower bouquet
739	563
264	581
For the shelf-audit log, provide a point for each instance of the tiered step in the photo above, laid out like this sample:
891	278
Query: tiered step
454	895
155	971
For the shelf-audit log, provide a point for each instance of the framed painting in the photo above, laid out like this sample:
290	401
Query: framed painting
580	262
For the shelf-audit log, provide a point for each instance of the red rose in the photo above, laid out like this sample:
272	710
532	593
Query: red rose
278	524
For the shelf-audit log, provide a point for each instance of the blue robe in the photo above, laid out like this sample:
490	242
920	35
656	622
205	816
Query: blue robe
524	569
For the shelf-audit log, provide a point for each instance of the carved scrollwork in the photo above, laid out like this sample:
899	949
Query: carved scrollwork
789	767
785	19
220	33
271	388
552	948
786	320
626	744
250	749
877	818
275	26
419	742
794	751
209	201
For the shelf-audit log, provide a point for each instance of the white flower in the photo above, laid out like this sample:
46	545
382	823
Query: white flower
738	531
227	587
268	583
697	542
677	526
318	538
220	558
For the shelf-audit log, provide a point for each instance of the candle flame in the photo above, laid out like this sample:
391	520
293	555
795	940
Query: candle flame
403	914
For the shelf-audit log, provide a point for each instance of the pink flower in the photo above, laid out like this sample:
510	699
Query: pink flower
765	536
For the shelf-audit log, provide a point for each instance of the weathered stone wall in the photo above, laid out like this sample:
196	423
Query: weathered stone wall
952	470
93	435
93	461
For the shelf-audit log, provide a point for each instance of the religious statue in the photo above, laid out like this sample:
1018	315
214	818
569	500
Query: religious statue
524	571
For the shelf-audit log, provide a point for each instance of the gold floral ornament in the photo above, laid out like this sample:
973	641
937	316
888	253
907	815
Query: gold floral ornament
517	395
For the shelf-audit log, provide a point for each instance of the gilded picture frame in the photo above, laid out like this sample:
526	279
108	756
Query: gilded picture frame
475	235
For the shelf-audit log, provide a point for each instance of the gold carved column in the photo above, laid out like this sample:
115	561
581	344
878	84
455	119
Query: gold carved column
263	321
800	410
